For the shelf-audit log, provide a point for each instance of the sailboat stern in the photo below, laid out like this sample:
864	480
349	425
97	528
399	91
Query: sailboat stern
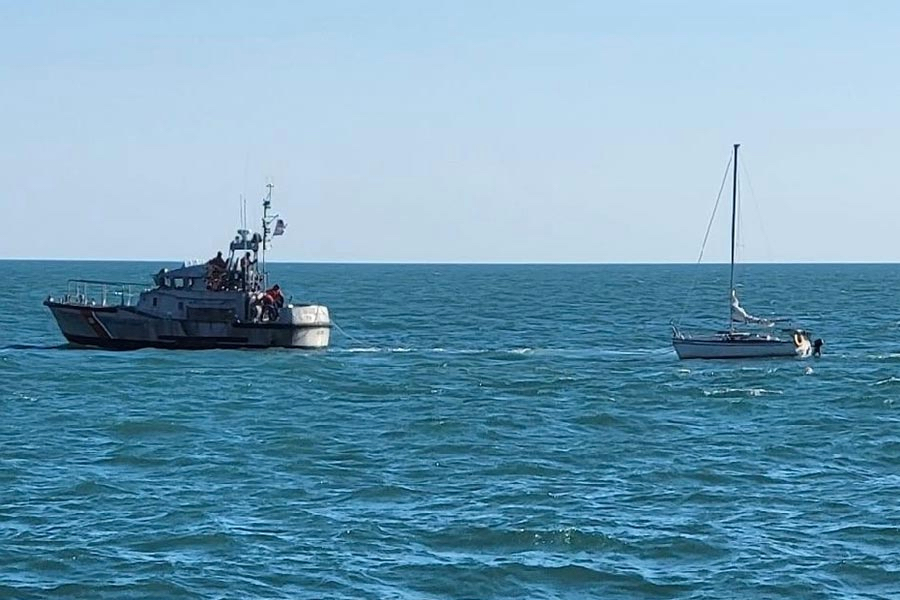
803	345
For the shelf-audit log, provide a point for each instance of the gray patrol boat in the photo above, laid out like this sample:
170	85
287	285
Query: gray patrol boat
219	304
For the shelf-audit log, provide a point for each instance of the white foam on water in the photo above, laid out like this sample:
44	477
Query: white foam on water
755	392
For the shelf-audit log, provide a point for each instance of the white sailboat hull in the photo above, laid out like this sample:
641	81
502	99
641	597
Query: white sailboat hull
750	347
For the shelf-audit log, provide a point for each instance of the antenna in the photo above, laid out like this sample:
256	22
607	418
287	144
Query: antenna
266	222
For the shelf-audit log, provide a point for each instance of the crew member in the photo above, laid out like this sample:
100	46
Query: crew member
215	268
272	300
246	265
218	261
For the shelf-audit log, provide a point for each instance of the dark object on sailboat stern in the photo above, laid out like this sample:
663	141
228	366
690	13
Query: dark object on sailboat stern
817	347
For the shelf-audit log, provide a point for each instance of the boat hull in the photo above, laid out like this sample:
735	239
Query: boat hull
123	328
724	348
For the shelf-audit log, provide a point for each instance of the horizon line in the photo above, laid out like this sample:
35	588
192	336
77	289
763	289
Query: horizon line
467	263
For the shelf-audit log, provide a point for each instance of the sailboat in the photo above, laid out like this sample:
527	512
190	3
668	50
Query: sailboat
757	337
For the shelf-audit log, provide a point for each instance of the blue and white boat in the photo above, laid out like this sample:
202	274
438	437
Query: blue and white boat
219	304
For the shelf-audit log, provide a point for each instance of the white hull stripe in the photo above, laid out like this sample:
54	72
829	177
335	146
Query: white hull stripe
95	324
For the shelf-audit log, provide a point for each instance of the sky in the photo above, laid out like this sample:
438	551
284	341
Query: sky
467	131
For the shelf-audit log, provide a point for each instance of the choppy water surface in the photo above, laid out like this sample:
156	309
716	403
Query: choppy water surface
477	432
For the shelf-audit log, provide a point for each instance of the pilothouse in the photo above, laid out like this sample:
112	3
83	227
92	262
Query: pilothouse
224	303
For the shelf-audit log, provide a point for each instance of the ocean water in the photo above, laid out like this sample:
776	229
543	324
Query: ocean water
473	432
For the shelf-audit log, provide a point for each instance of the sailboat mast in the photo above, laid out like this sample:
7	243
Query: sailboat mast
733	229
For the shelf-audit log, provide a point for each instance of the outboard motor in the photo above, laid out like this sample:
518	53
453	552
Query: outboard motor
817	347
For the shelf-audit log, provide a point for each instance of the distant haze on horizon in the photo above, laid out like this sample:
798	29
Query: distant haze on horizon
576	132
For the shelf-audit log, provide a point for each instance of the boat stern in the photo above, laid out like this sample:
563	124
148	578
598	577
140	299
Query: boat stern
311	325
805	346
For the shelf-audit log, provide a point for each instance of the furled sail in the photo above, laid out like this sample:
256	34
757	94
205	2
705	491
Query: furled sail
739	315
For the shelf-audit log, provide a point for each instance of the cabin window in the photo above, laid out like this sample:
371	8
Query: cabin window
181	306
154	301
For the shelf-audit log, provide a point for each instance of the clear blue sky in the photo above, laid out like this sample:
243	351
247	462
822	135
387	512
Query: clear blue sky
449	131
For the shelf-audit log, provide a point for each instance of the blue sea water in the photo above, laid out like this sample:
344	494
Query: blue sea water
473	432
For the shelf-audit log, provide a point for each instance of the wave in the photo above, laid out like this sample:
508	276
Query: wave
753	392
437	350
37	347
537	577
521	539
517	350
375	349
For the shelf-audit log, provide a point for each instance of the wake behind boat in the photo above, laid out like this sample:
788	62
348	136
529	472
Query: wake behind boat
758	337
220	304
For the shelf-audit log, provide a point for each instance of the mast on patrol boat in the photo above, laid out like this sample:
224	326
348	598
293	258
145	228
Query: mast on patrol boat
266	222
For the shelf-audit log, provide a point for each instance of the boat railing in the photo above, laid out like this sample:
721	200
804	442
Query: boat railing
89	292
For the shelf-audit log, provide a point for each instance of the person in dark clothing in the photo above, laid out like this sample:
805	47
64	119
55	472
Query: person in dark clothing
247	266
218	261
215	270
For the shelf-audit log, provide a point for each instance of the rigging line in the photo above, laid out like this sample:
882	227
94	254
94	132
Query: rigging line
757	210
350	337
737	218
246	167
715	208
738	234
709	225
